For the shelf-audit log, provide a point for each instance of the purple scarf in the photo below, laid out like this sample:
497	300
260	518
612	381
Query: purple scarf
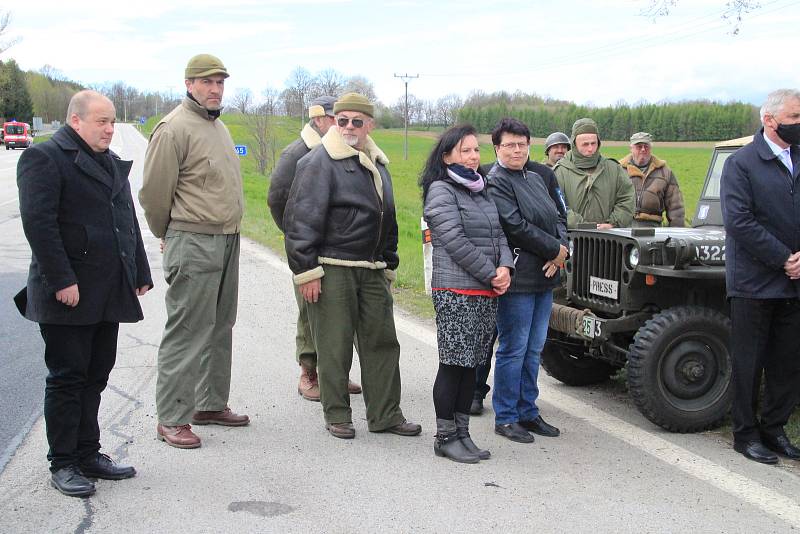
466	177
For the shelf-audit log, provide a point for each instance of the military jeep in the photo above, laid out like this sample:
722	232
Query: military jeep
651	300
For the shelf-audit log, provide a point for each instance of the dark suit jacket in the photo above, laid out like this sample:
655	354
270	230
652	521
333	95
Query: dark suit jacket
761	209
81	226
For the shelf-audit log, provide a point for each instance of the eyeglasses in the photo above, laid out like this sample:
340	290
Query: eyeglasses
512	146
342	122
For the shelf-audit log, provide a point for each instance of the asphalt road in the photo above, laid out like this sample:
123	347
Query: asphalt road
22	369
610	471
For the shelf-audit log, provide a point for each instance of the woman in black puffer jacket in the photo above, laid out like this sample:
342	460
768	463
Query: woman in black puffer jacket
471	266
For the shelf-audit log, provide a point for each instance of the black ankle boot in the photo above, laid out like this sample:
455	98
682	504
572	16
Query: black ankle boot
462	431
449	445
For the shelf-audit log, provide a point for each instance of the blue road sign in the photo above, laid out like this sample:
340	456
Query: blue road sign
241	150
141	120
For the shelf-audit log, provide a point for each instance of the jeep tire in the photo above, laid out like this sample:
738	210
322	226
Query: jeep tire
567	362
679	368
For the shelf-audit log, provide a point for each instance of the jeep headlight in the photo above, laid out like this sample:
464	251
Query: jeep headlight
633	257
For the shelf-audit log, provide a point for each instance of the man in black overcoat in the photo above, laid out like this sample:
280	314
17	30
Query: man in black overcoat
88	268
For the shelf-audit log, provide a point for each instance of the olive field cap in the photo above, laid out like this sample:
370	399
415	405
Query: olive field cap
321	106
556	138
354	102
641	137
205	65
584	126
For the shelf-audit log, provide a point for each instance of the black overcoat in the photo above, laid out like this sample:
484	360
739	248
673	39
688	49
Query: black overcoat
81	225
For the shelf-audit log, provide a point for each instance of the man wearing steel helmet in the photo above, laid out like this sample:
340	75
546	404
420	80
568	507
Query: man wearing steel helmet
341	243
321	118
193	200
555	147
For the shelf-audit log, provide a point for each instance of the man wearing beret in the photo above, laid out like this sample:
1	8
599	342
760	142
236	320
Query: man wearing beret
597	190
321	118
193	200
88	267
655	185
341	243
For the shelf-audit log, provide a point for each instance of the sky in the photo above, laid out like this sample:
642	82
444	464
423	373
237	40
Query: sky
596	52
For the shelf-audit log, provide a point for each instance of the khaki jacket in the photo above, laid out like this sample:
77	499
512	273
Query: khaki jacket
657	192
192	180
604	196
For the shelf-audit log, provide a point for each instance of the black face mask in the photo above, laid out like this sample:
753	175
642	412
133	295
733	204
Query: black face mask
790	133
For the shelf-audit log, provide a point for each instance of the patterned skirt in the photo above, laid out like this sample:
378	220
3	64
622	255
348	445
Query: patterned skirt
465	325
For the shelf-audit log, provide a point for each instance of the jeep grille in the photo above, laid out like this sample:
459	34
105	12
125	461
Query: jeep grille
595	256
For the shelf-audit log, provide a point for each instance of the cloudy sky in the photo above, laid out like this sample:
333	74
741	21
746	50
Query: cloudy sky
598	52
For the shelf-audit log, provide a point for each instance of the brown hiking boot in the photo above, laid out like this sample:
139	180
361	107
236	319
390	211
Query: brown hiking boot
223	417
180	436
309	385
341	430
353	388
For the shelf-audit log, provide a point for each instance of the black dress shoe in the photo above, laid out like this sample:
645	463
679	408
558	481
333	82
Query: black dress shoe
476	408
101	466
782	446
514	432
755	450
538	426
70	481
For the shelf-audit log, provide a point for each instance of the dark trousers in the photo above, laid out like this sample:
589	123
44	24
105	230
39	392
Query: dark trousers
765	339
482	386
79	360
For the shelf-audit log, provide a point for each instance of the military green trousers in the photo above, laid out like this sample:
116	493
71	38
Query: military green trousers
305	353
194	359
357	302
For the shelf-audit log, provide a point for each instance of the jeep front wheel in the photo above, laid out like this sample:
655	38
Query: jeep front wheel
679	369
568	362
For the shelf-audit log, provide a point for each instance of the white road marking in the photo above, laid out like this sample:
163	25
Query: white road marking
735	484
690	463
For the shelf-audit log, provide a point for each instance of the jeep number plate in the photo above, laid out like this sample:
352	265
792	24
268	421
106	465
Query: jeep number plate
590	327
603	287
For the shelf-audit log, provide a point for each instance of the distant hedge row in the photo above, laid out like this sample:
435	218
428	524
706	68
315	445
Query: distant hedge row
684	121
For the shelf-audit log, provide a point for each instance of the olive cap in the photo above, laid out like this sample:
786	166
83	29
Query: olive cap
205	65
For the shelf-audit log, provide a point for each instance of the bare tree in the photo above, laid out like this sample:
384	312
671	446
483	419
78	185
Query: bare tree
272	101
447	108
362	86
242	100
330	82
5	22
301	83
733	12
259	125
429	109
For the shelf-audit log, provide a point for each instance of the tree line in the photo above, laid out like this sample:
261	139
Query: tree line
699	120
46	94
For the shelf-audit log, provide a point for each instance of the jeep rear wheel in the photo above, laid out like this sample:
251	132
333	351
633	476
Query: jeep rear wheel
568	362
679	369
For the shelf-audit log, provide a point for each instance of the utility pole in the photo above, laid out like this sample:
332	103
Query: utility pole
406	78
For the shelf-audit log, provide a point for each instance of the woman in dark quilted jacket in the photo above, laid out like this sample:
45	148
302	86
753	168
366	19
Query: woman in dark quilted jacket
471	266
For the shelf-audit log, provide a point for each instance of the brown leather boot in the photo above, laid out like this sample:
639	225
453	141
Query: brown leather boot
180	436
224	417
309	385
